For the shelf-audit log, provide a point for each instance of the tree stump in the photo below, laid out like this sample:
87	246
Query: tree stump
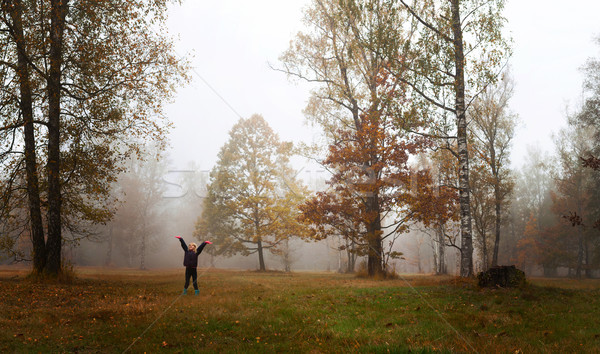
501	276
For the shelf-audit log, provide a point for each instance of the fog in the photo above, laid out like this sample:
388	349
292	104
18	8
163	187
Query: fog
232	43
232	78
177	210
232	47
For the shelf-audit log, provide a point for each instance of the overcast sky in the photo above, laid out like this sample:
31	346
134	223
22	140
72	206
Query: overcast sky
232	42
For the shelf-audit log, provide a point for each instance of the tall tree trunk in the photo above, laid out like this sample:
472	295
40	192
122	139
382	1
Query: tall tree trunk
374	259
484	250
580	235
497	228
351	256
579	254
129	255
588	270
497	204
441	245
54	244
434	254
287	256
340	256
419	268
108	260
143	251
375	253
579	246
466	261
375	264
26	105
261	258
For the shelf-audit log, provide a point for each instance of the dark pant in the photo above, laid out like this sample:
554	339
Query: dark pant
191	272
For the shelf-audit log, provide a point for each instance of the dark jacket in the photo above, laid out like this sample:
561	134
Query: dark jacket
191	258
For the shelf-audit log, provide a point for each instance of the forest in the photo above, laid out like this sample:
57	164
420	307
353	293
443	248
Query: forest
412	101
360	183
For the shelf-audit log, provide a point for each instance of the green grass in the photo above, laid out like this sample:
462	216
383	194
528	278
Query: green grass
240	312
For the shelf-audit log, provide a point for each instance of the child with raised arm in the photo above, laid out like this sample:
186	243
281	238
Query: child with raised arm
190	261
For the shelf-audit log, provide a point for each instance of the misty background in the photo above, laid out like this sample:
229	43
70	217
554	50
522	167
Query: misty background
232	46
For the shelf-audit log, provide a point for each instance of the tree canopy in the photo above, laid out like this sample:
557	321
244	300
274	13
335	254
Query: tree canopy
84	82
252	197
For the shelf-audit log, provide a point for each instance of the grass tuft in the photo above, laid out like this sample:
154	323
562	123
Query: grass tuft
67	275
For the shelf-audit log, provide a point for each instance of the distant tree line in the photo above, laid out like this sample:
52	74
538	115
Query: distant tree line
556	210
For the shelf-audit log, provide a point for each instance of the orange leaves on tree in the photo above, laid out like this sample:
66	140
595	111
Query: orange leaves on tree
374	193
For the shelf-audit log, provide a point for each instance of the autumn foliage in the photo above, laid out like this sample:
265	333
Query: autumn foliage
252	194
374	194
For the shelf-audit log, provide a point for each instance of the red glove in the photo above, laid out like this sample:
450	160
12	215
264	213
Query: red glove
210	243
178	237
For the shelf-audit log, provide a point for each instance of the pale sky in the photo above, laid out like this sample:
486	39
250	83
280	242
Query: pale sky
552	40
232	42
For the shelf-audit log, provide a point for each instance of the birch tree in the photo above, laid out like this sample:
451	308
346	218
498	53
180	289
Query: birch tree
457	50
493	127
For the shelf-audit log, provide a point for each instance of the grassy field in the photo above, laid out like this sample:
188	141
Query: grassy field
143	311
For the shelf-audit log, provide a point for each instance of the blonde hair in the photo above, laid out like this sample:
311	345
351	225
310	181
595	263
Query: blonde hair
193	246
